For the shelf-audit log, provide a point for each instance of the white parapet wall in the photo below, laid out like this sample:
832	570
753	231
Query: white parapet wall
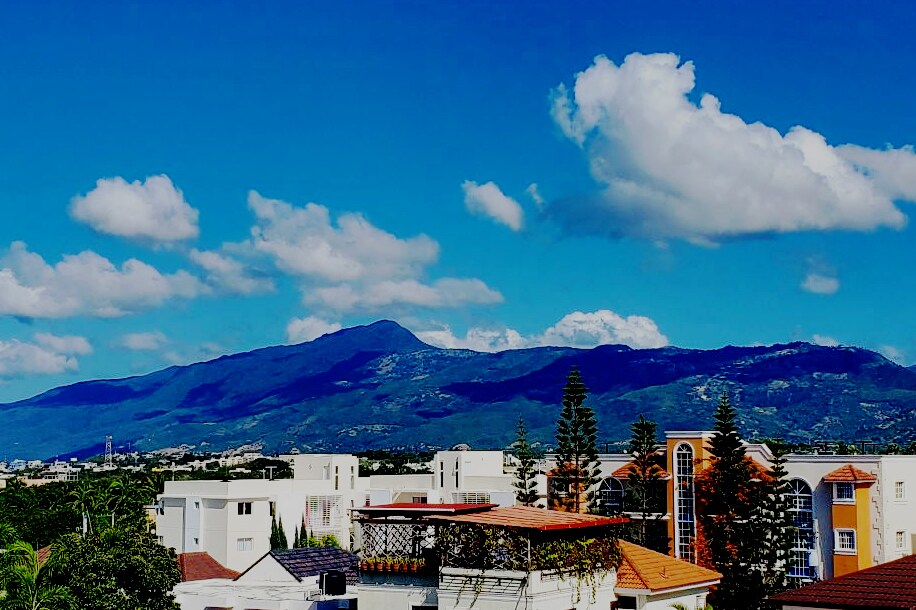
461	589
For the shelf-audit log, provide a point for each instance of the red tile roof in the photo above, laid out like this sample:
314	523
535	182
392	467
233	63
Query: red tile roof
889	585
431	509
850	474
200	566
526	517
647	570
624	472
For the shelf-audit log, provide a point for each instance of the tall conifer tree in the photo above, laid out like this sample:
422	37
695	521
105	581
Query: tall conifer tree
577	470
525	475
730	492
643	493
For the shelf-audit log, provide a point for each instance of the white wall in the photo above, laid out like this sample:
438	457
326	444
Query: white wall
897	515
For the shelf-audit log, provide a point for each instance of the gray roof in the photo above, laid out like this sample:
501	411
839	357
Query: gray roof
306	562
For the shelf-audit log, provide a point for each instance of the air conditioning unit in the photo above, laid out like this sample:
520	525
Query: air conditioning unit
333	582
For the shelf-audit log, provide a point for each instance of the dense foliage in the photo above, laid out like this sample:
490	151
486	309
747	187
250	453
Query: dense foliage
576	473
102	555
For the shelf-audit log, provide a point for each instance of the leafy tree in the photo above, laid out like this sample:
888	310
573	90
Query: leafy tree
27	581
729	493
117	569
525	475
644	494
577	471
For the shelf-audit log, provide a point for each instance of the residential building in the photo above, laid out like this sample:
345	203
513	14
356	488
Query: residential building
887	586
282	580
647	580
231	519
457	556
851	511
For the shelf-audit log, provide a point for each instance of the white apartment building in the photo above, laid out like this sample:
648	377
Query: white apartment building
231	520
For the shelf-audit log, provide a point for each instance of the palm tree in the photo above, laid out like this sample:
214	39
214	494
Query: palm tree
83	499
120	491
26	582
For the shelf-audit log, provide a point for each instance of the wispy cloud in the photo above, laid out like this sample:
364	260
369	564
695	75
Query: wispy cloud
489	200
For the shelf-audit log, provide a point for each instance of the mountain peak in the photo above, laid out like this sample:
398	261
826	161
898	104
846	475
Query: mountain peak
384	335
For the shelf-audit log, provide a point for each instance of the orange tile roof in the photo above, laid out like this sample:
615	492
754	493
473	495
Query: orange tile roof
654	572
200	566
889	585
850	474
527	517
624	472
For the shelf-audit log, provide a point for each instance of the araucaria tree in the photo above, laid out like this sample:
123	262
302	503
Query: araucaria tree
781	531
576	473
729	493
644	493
525	482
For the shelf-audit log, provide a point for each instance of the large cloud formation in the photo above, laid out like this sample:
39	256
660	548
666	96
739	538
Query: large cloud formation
153	209
351	265
84	284
576	329
670	168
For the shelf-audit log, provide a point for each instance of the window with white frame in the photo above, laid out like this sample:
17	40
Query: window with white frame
899	490
244	508
844	541
685	519
843	493
472	497
801	506
900	539
244	544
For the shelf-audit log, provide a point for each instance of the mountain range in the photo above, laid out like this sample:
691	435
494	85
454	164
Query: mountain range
378	386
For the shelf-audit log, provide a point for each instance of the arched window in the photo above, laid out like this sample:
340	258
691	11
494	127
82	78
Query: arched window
685	530
610	497
802	508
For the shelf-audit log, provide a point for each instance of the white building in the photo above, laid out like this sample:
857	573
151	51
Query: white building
231	520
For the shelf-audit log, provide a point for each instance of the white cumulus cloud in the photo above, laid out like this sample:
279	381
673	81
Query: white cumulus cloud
153	209
820	284
671	168
352	265
304	329
84	284
487	199
47	355
575	329
146	341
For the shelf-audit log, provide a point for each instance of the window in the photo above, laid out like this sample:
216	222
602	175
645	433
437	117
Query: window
899	490
472	497
685	521
610	497
161	539
624	602
900	539
843	493
844	541
336	478
244	508
273	509
801	506
441	474
244	544
418	500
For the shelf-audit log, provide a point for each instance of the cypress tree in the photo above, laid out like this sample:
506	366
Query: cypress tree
282	542
274	533
577	471
525	475
643	493
296	539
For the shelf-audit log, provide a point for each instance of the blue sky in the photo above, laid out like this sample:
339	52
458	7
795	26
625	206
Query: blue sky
179	180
